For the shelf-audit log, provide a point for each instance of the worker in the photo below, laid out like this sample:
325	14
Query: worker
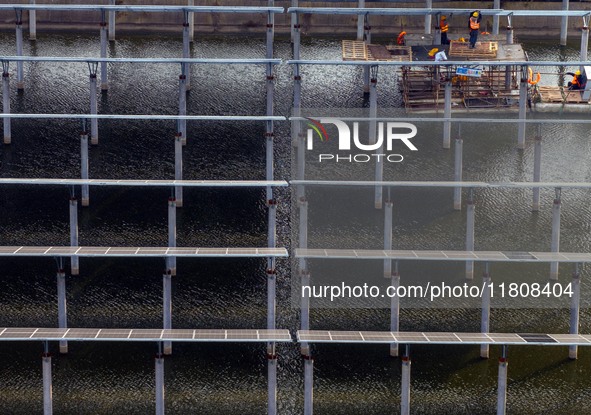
474	28
400	41
579	81
444	29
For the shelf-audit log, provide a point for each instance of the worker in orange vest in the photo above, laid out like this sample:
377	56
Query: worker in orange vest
474	28
579	81
400	41
444	29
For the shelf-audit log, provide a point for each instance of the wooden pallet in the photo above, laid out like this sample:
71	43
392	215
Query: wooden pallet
556	94
483	50
357	50
354	50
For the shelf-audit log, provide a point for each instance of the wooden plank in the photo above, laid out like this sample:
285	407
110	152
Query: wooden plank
556	94
354	50
483	50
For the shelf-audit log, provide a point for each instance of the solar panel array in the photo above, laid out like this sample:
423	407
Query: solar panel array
179	335
320	336
483	256
124	251
151	183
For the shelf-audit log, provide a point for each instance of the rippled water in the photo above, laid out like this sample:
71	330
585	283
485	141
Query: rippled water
117	378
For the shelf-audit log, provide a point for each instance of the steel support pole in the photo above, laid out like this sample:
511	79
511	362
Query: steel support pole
6	103
575	305
388	213
171	261
178	168
485	316
502	386
428	5
555	241
495	28
84	166
522	110
187	50
62	313
447	114
373	113
360	21
470	219
47	387
20	82
191	22
584	42
159	374
458	169
308	385
112	22
104	41
405	388
367	40
508	70
294	22
93	109
32	23
182	124
74	263
564	24
537	171
167	307
272	384
394	310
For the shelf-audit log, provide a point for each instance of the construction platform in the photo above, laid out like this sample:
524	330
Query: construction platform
357	50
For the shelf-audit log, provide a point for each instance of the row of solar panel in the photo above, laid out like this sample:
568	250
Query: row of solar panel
493	256
92	251
308	336
112	182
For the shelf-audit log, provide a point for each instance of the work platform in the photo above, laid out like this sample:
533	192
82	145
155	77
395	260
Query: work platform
357	50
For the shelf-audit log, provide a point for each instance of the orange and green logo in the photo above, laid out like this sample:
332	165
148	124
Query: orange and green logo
319	128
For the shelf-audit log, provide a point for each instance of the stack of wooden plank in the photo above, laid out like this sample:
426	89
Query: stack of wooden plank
482	50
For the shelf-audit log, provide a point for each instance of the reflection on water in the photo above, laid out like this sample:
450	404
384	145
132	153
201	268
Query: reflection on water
113	378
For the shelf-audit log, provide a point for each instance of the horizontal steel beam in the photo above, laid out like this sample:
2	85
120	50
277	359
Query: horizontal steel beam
433	63
458	120
140	60
147	117
391	11
146	183
437	184
149	9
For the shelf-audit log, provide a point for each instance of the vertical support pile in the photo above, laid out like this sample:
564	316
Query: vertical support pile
20	82
75	266
308	385
294	21
182	125
84	164
585	38
393	276
405	384
93	69
470	219
428	5
458	169
522	108
447	114
495	28
6	101
167	307
171	261
178	167
502	386
186	49
159	375
32	23
104	74
537	169
508	69
191	21
575	305
485	316
367	40
272	218
360	20
555	241
62	312
47	388
112	21
564	24
373	113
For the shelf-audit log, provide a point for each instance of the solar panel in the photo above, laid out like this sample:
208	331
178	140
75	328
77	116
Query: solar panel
568	338
410	337
376	336
537	338
177	333
113	334
145	334
45	332
81	333
442	337
519	255
346	336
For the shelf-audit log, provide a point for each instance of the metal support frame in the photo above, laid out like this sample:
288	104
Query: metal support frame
555	240
159	375
447	114
308	385
405	383
564	24
575	306
367	40
360	21
186	49
74	262
32	22
585	38
84	174
6	101
182	124
112	21
428	5
537	169
373	113
470	220
62	311
502	383
521	128
495	28
178	167
485	315
20	83
458	169
167	307
171	261
93	69
104	41
47	388
191	22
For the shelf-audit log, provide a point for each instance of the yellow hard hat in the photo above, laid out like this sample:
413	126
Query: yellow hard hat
433	51
475	14
577	72
443	17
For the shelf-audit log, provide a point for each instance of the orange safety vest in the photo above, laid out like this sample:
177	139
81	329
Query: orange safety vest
474	25
443	26
400	39
576	81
